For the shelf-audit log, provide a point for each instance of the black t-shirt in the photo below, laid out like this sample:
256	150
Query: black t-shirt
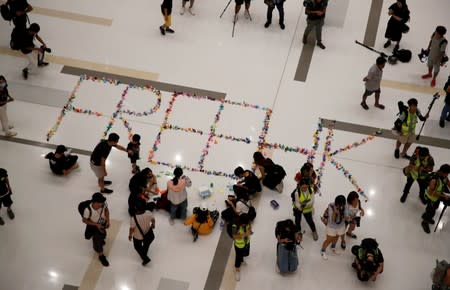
138	181
102	150
403	12
57	165
252	182
167	4
25	40
314	6
18	5
135	149
447	97
3	188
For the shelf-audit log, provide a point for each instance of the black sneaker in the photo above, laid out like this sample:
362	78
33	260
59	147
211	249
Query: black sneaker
163	32
43	63
320	44
267	24
441	123
107	182
282	26
107	191
431	222
403	198
10	213
406	156
170	30
387	44
343	245
396	47
426	227
397	154
25	73
103	260
2	222
146	261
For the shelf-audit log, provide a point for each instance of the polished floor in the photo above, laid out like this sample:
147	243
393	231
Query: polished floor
43	247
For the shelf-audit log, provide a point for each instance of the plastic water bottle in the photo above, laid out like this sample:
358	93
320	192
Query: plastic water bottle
222	225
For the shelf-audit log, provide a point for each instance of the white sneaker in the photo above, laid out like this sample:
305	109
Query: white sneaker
324	255
182	10
191	12
10	134
171	221
238	275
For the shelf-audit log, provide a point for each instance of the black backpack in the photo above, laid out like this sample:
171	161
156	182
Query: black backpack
83	205
15	39
402	109
6	12
403	55
202	215
251	211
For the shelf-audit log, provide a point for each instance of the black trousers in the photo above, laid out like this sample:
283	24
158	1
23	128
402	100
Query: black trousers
422	186
280	8
240	254
98	240
142	246
298	220
430	210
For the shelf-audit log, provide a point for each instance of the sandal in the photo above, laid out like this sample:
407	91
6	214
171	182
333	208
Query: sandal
353	236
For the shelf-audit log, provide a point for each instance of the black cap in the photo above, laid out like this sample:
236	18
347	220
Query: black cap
98	197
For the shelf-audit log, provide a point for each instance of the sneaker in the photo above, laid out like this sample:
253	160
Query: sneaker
441	123
182	10
237	275
171	221
103	260
191	12
282	26
380	106
146	261
267	24
107	191
2	222
426	227
364	105
403	198
396	47
320	44
10	134
42	63
170	30
315	236
352	235
343	245
397	153
387	44
10	213
163	31
426	76
324	255
431	222
433	83
25	73
107	182
279	187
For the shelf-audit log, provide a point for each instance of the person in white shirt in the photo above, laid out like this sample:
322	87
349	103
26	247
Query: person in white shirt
141	231
177	194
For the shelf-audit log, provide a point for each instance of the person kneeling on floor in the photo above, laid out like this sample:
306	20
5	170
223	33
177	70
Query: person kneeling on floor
369	261
62	162
272	174
288	238
247	182
202	221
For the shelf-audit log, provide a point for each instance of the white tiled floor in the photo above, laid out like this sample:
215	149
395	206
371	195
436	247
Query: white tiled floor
257	66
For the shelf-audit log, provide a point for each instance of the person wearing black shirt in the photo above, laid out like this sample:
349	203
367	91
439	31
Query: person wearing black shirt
270	7
369	261
399	13
315	9
61	162
248	182
140	185
5	195
166	10
98	160
445	115
25	39
19	10
5	98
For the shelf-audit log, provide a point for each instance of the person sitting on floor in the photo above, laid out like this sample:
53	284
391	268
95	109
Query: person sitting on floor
62	162
272	174
248	181
141	184
369	261
202	221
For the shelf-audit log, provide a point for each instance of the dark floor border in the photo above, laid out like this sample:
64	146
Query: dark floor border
142	82
219	262
384	133
305	59
373	22
69	287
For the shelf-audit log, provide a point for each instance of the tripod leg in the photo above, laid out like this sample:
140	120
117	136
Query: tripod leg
225	9
234	24
440	217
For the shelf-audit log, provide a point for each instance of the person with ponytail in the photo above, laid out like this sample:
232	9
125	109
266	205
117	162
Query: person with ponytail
177	194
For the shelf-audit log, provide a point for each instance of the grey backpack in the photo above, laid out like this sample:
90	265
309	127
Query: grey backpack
439	272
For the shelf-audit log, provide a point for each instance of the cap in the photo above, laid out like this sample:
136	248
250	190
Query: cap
98	197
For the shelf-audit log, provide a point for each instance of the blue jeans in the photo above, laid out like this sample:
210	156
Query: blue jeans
182	208
445	112
287	261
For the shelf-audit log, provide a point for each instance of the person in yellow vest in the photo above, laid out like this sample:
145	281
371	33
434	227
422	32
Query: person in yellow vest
408	132
303	204
420	165
241	231
434	194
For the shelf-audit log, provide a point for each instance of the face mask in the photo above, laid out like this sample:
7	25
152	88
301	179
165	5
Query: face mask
2	85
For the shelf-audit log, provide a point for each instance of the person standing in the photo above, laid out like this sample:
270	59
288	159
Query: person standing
436	51
237	8
408	131
303	204
183	7
177	194
166	10
141	231
241	232
373	83
98	160
445	115
434	194
355	212
287	240
315	10
133	149
5	98
334	217
5	195
20	10
270	7
420	165
396	26
96	217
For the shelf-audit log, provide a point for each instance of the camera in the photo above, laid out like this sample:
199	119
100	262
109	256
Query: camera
46	49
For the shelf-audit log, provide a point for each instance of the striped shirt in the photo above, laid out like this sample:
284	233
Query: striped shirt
145	221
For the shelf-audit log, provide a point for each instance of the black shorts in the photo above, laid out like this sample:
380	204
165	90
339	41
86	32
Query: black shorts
240	2
169	10
6	201
133	159
368	93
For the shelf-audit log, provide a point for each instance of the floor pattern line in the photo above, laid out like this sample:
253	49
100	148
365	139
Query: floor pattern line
72	16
